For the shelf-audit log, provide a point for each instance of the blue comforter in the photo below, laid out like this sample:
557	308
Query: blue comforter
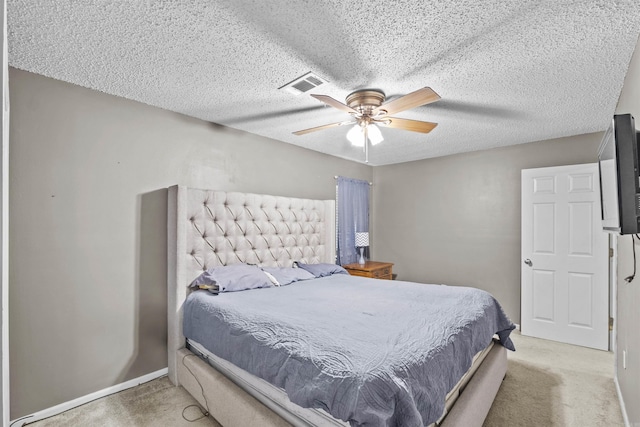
371	352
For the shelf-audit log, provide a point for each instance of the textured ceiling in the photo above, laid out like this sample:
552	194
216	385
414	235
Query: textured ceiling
507	72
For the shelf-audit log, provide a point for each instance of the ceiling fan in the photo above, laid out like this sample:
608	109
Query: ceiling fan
367	110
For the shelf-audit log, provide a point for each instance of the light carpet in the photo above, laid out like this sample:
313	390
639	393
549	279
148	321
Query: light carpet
553	384
153	404
547	384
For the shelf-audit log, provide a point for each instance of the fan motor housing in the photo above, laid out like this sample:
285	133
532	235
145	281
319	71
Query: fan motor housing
365	101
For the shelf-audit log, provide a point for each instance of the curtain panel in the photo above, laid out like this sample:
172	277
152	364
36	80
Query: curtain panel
353	216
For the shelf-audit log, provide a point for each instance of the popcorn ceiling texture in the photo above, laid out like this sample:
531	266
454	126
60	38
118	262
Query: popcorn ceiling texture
507	72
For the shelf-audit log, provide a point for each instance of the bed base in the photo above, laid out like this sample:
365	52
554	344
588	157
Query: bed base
231	406
189	253
227	403
475	400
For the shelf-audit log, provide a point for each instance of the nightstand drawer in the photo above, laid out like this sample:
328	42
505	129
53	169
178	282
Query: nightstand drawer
373	269
382	273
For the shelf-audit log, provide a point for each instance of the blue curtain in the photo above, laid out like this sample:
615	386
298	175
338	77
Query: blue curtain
353	216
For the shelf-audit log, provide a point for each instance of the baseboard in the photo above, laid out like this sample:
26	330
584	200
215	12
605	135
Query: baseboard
517	326
58	409
621	399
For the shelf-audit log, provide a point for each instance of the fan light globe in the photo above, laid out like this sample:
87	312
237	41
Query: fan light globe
375	136
356	135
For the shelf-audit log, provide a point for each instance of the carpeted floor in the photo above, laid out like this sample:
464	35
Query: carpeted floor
547	384
553	384
153	404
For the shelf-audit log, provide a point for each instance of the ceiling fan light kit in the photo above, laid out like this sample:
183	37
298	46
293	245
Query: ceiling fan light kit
356	135
367	108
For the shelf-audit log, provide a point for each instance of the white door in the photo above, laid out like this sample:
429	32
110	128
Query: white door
565	291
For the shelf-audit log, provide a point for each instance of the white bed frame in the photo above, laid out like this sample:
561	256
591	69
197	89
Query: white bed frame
208	228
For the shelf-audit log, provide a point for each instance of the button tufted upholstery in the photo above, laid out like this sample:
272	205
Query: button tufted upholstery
226	228
209	228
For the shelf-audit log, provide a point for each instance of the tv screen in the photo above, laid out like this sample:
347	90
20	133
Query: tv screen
619	177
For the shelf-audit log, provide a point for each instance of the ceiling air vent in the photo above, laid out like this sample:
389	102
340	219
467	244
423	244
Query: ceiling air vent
304	83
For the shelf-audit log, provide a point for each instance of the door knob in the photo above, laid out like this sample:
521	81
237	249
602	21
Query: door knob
528	262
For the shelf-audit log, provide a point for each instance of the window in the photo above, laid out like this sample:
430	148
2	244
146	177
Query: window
353	216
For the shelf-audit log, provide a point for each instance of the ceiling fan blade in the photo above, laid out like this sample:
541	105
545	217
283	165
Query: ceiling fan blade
420	97
335	104
406	124
331	125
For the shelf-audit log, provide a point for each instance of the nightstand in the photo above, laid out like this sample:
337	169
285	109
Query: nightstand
374	269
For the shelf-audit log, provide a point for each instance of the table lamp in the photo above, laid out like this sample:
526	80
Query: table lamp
362	241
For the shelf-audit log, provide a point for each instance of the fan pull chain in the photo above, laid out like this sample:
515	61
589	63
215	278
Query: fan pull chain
366	145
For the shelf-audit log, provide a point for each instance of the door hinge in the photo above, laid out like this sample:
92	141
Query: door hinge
610	252
611	323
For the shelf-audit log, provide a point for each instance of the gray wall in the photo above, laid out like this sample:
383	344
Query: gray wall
628	316
4	229
88	227
456	219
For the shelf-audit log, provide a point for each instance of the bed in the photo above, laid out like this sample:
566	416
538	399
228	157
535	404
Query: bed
213	228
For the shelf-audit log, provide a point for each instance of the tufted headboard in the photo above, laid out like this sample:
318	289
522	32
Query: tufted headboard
208	228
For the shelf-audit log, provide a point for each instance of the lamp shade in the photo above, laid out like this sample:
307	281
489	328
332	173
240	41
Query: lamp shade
362	239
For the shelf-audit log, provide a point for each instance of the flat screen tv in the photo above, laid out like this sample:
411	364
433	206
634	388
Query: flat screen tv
619	177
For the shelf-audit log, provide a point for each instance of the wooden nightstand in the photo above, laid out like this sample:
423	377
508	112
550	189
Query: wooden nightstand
375	269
